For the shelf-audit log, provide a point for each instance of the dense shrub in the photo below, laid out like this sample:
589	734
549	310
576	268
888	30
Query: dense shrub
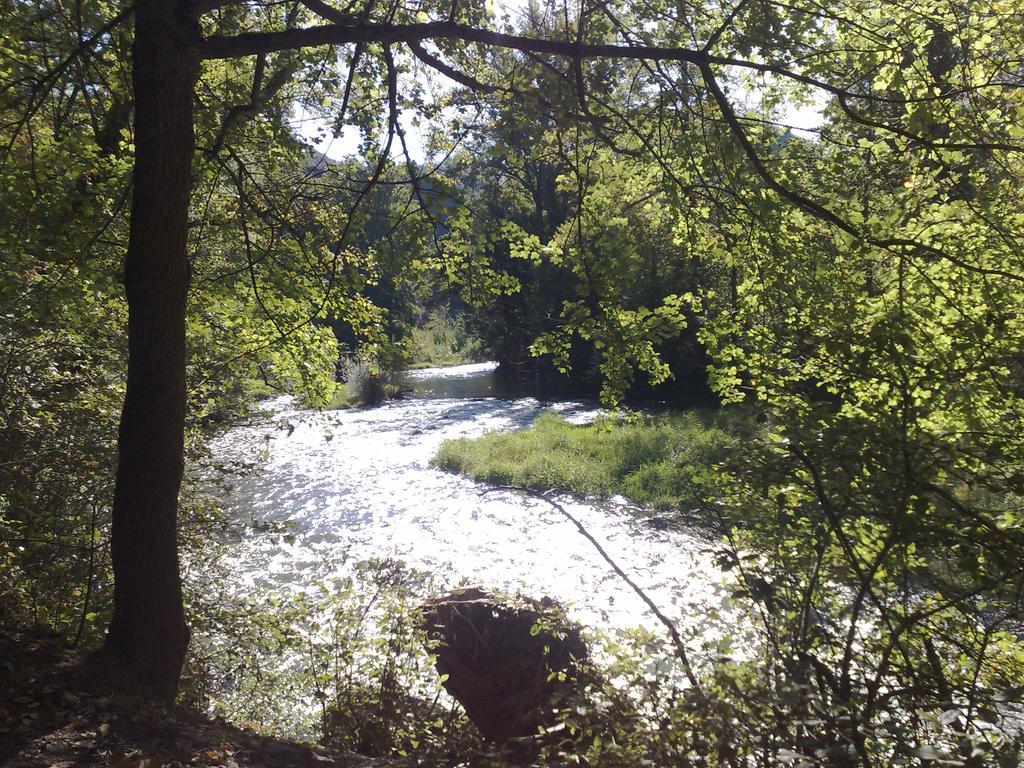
444	340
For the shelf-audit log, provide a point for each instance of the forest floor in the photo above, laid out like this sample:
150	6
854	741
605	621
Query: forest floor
61	709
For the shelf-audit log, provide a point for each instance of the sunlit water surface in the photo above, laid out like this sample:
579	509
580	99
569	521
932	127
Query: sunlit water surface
358	484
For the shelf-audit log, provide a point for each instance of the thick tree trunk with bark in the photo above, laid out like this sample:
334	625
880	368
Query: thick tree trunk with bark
148	631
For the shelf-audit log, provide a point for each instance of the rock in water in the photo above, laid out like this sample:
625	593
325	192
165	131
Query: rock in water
509	662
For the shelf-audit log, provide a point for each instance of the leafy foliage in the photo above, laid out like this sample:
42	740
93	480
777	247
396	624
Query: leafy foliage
855	286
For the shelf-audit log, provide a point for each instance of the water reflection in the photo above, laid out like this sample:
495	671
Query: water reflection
465	381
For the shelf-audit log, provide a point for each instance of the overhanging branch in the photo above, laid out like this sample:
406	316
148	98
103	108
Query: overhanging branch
448	71
327	12
252	43
255	43
820	211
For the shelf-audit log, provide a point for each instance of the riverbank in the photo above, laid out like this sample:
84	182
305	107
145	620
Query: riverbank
661	461
336	491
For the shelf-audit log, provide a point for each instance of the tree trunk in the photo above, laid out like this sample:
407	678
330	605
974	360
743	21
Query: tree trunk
148	632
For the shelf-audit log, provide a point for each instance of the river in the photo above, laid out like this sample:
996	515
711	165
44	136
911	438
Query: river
329	488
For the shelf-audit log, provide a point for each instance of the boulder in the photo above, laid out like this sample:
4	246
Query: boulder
509	662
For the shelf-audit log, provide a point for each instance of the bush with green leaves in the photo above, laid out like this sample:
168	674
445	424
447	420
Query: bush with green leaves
364	381
443	340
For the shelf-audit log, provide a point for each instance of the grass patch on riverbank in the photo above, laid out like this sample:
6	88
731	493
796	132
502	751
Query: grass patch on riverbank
665	461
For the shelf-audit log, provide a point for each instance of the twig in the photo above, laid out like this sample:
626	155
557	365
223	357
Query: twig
673	631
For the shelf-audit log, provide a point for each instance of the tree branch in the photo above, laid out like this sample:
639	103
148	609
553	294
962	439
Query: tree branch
259	97
218	47
327	12
818	210
725	25
251	43
450	72
857	117
729	115
673	631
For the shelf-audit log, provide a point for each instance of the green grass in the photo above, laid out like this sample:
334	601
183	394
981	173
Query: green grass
663	461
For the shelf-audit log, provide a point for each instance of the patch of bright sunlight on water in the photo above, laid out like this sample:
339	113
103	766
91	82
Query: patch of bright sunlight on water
358	484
